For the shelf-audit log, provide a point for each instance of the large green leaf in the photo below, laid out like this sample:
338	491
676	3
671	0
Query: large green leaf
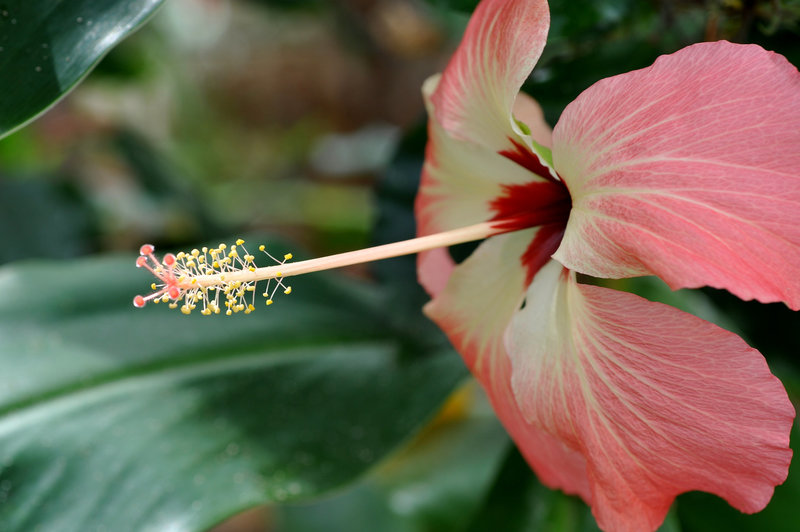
121	419
48	46
518	502
435	484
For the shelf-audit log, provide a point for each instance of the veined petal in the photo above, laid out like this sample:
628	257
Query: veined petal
657	401
482	295
475	309
689	170
501	45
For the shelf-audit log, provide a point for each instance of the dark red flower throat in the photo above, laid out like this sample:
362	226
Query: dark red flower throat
539	203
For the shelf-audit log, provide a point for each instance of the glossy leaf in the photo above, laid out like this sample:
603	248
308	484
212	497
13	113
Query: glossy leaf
48	46
125	419
436	483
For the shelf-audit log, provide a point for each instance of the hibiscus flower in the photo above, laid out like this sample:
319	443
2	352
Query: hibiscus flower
688	170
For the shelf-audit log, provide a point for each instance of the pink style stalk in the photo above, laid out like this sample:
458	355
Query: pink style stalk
688	170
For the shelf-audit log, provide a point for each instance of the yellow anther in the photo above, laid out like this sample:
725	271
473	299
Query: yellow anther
186	310
173	305
194	280
288	256
239	242
269	302
228	312
195	252
288	290
154	286
191	264
278	274
251	288
215	264
181	255
252	268
222	246
206	312
205	249
262	247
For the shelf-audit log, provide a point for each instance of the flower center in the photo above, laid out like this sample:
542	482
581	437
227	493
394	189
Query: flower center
544	203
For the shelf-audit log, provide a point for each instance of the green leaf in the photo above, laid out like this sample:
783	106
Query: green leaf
48	46
52	219
435	483
519	502
121	419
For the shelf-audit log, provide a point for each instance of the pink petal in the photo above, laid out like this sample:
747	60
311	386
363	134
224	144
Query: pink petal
501	45
474	140
657	401
483	293
690	170
475	309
